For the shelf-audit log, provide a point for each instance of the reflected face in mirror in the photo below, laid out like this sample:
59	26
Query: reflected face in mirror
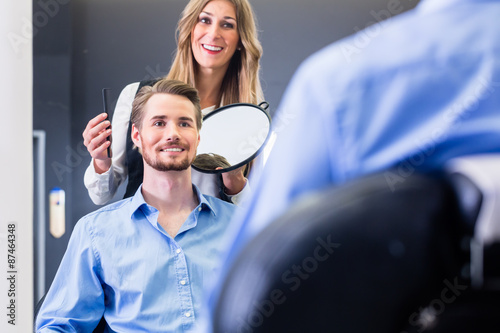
168	136
232	136
215	37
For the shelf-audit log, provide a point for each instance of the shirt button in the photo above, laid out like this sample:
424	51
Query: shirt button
183	282
187	314
199	209
178	251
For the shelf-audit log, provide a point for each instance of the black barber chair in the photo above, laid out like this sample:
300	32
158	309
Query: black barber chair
373	255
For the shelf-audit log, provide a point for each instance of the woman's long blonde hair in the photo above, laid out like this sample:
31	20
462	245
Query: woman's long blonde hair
241	84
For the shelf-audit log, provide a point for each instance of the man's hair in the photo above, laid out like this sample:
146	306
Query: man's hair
211	161
165	86
241	83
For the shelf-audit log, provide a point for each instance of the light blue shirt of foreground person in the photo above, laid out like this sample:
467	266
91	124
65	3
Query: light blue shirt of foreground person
120	263
410	92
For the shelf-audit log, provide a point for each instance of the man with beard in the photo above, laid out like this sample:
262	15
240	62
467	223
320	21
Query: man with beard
142	262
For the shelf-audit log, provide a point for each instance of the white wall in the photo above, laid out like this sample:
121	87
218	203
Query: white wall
16	193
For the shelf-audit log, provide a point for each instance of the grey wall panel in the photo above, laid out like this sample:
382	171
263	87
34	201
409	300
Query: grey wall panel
52	112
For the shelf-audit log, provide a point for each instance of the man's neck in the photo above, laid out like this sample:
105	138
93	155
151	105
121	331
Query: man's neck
171	192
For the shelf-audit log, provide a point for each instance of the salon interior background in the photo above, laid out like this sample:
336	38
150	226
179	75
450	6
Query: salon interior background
82	46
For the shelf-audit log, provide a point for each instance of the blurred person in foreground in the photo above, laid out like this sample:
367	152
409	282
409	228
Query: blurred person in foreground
409	93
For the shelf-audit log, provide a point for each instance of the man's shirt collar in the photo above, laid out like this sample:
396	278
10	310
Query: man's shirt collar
138	205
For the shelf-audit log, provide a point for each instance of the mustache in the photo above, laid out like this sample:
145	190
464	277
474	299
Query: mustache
175	144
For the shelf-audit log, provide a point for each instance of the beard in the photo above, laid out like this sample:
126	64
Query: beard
159	165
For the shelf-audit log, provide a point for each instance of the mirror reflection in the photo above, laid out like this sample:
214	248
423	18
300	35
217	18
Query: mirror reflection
227	142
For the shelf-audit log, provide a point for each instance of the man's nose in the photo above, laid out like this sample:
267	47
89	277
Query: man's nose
172	132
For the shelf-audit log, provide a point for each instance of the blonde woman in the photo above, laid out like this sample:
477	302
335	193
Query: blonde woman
218	53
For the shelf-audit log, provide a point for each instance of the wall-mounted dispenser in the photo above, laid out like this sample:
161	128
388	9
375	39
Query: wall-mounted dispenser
57	212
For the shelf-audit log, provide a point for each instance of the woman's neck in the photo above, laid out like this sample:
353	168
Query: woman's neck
209	85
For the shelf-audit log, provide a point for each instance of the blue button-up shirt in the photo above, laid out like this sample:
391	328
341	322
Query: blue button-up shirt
121	263
409	92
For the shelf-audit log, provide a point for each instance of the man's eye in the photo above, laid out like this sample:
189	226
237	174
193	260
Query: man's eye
158	123
185	124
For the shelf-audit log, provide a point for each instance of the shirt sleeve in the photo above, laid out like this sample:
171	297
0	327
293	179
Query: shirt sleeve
102	187
240	198
75	300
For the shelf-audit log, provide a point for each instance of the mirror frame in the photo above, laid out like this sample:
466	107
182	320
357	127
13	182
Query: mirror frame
263	106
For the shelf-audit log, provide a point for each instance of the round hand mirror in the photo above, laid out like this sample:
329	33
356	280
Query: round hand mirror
232	136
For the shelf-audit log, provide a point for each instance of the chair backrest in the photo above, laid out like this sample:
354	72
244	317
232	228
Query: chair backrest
364	257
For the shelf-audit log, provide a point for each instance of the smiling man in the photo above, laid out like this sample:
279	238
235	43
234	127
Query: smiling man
142	262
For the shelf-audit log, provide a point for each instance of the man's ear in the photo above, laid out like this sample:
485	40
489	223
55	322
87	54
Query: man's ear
136	137
198	143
